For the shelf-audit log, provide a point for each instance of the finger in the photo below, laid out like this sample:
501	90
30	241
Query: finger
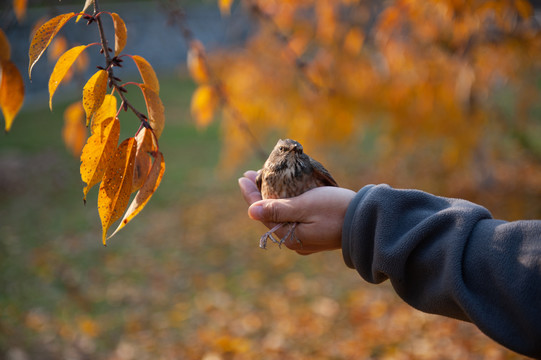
293	243
251	174
249	190
277	211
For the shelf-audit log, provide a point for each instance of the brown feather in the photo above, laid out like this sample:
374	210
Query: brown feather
289	172
324	177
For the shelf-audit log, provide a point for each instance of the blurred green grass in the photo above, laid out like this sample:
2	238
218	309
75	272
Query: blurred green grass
185	279
42	217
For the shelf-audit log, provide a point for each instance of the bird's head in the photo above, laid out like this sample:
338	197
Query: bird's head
285	150
287	146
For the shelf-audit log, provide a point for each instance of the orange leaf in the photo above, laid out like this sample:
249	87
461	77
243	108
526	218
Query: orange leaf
107	110
156	111
11	92
61	69
115	189
204	103
94	93
86	6
43	36
524	8
145	146
74	131
121	34
99	148
57	47
147	73
225	7
197	65
353	41
5	48
82	63
19	7
145	193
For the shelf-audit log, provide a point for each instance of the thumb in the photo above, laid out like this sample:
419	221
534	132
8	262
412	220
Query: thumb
273	211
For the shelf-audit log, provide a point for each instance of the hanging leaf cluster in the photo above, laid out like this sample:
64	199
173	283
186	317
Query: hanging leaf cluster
423	79
136	165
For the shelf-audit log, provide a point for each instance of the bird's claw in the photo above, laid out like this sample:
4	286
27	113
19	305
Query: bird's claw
269	235
266	236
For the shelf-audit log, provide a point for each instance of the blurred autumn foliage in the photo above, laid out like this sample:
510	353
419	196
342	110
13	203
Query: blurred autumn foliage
441	95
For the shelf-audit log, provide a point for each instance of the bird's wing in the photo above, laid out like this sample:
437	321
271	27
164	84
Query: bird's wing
259	179
322	175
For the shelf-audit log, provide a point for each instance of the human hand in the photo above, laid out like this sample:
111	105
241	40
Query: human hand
319	214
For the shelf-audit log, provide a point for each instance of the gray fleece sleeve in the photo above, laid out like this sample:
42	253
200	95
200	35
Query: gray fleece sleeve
450	257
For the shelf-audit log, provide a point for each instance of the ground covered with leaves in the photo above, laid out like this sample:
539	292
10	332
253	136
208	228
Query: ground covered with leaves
186	280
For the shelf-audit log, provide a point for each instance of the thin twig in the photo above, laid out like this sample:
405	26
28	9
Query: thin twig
111	62
178	16
300	64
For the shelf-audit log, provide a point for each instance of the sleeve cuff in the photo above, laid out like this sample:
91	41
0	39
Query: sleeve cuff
347	226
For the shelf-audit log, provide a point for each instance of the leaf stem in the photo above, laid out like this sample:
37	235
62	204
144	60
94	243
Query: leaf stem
110	63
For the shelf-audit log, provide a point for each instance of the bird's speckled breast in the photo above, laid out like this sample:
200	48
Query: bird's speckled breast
287	182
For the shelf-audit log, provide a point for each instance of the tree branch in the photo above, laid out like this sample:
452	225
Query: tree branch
178	16
110	63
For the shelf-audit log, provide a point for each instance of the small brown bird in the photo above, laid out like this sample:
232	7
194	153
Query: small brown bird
289	172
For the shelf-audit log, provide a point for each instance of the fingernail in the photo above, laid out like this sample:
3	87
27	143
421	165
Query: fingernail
242	182
256	211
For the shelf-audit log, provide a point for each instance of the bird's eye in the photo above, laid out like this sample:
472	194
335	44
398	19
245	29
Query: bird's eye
282	148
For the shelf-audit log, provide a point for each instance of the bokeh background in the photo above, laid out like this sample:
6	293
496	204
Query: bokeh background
441	96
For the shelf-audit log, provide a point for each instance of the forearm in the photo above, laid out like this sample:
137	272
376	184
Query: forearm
449	257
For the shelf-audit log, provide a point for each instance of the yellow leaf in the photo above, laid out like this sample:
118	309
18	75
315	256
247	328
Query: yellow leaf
19	7
87	326
61	69
115	189
225	7
204	103
155	109
74	131
94	93
107	110
43	36
5	48
99	148
11	92
145	193
197	65
147	73
145	146
85	7
121	34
